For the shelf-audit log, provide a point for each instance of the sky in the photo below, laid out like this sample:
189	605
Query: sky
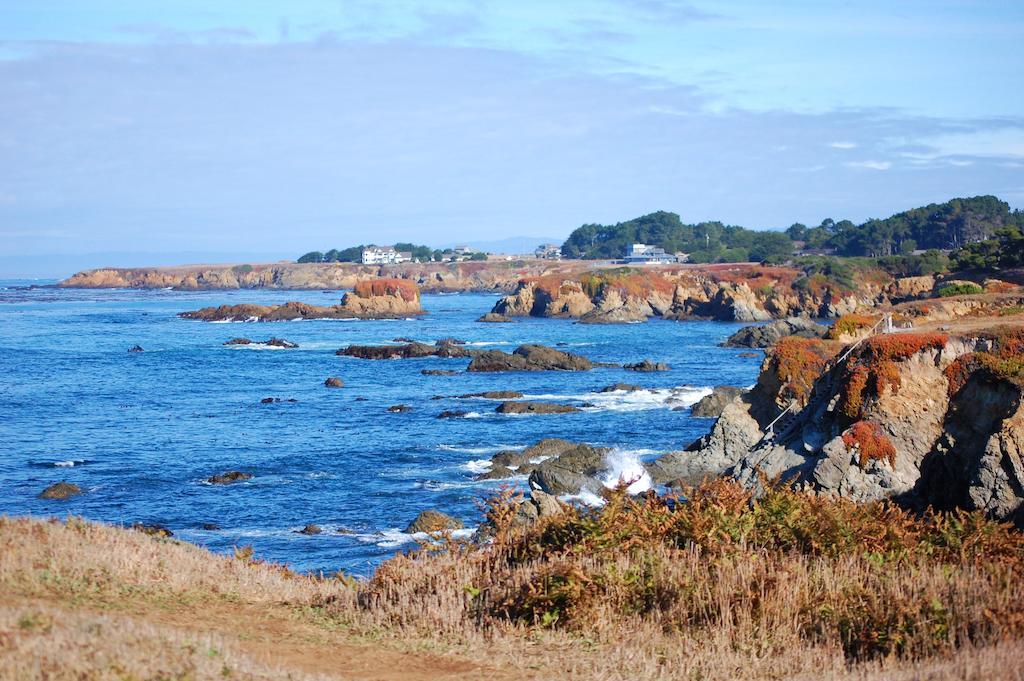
258	128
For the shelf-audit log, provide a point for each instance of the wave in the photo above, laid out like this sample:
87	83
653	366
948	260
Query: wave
637	400
393	537
493	449
625	466
477	465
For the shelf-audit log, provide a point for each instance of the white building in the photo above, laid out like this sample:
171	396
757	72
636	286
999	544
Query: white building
549	252
462	250
384	255
643	254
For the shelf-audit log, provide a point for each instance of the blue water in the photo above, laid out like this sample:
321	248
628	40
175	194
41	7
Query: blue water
143	430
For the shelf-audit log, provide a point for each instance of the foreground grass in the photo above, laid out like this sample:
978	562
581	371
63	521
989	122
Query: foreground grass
721	587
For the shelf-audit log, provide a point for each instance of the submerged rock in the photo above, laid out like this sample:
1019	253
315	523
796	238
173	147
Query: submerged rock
310	530
529	358
494	395
535	408
399	408
431	521
152	530
60	491
647	366
621	387
209	527
228	477
452	414
135	348
494	318
439	372
334	382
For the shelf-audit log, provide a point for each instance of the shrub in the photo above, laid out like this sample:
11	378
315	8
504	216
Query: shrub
241	269
850	324
1004	362
407	290
798	362
870	442
964	289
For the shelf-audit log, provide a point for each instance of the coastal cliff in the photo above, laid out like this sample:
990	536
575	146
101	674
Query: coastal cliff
922	418
430	277
745	293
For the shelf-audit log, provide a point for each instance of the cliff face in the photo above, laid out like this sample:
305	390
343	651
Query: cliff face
744	294
915	417
374	299
432	277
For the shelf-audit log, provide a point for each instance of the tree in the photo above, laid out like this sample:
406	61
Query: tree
312	256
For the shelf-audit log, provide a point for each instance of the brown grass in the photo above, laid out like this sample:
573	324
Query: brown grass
721	587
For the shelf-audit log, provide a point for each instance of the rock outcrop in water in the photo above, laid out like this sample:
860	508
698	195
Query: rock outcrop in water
712	406
529	358
767	335
375	299
917	417
60	491
431	521
567	467
414	350
535	408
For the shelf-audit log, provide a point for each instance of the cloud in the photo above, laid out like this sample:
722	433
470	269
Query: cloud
843	145
870	165
296	146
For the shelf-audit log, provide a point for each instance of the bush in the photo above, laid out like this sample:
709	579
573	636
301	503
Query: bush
966	289
242	269
870	442
850	324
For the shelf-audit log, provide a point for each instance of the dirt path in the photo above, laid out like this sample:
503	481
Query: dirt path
281	640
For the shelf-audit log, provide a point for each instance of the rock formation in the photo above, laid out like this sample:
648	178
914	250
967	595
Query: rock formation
917	417
60	491
374	299
767	335
529	358
431	521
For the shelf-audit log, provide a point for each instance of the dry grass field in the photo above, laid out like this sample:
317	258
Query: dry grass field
721	587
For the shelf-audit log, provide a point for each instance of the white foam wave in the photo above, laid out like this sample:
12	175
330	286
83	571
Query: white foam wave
624	466
636	400
486	343
70	463
477	465
585	497
393	537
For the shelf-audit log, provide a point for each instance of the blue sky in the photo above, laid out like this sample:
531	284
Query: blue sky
257	126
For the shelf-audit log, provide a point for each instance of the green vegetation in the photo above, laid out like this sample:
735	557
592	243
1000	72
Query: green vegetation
242	269
1005	250
959	290
957	224
704	242
355	254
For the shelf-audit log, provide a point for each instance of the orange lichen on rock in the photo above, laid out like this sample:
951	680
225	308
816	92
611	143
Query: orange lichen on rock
870	442
875	368
1003	362
406	290
798	362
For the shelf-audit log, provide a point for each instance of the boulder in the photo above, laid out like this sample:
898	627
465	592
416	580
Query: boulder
60	491
496	473
270	400
431	521
537	506
209	527
711	406
766	335
647	366
494	395
573	470
334	382
452	414
529	358
399	408
621	387
135	348
228	477
281	343
535	408
152	530
494	318
439	372
238	341
310	530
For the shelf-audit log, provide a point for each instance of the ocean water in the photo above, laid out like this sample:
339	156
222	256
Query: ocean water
140	432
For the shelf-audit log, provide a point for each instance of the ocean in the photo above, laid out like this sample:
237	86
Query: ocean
141	432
